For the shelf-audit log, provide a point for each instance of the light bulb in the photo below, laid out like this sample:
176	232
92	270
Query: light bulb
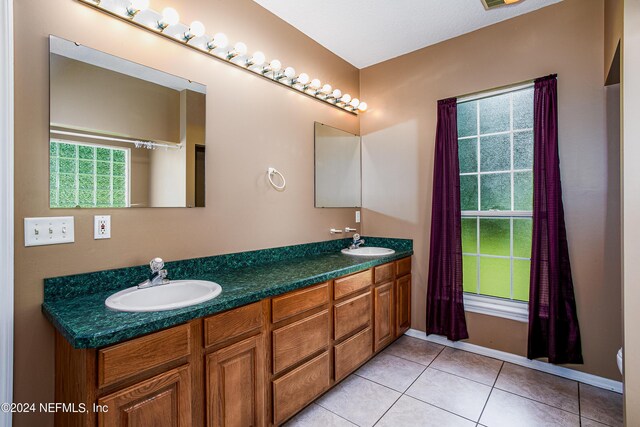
337	93
315	84
136	6
275	65
196	29
289	72
257	58
326	88
170	16
346	98
240	48
355	102
363	106
303	79
219	40
140	4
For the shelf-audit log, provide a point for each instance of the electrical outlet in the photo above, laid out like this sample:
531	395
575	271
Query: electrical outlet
48	231
102	227
357	217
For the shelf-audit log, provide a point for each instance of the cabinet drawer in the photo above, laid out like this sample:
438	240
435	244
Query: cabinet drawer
299	387
351	284
403	267
351	315
352	353
294	342
297	302
232	323
383	273
134	357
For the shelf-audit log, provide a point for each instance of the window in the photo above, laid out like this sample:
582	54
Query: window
88	175
495	148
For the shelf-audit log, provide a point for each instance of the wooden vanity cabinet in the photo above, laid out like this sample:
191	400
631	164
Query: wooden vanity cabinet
403	304
164	400
256	365
235	365
235	384
384	316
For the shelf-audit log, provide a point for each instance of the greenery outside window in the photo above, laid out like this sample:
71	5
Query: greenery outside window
88	176
495	148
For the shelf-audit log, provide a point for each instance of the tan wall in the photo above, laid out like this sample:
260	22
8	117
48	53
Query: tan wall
631	208
251	124
399	132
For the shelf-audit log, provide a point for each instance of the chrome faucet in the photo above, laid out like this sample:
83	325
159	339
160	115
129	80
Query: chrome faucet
158	275
357	241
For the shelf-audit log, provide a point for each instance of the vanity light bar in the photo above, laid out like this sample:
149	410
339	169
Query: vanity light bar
167	23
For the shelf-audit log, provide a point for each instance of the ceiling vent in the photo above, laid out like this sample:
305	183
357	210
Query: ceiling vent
490	4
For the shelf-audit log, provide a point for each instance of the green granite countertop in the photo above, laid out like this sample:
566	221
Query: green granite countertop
75	304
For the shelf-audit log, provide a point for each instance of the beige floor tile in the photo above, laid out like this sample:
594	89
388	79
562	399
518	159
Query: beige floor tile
450	392
601	405
469	365
508	410
391	371
586	422
410	412
414	349
359	400
542	387
316	416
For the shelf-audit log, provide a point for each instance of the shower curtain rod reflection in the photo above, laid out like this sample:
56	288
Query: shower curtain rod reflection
151	145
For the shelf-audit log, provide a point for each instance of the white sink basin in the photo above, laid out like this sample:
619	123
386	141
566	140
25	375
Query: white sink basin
369	251
177	294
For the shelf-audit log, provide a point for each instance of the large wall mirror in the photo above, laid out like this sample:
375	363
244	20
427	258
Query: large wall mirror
122	134
337	167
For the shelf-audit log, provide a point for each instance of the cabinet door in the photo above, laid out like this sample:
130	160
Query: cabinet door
235	385
403	304
161	401
383	315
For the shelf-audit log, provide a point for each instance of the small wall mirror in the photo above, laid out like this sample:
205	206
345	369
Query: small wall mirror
122	134
338	168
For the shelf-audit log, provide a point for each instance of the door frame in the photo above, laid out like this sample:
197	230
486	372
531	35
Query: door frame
6	207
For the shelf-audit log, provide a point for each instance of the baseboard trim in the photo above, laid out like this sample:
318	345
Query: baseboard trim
560	371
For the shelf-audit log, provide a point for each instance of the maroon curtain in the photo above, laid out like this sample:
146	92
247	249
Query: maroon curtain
445	307
553	323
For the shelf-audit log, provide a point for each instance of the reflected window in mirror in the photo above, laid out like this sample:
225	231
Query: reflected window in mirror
88	176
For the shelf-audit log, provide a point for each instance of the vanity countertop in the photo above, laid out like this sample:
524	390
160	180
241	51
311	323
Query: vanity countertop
75	304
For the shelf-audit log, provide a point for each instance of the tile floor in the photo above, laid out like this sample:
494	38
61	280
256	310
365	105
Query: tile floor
418	383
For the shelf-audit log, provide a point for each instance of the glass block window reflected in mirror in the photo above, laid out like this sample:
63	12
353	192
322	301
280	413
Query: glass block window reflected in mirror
88	176
495	148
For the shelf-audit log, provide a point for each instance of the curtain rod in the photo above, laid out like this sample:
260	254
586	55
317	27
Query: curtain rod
492	92
137	143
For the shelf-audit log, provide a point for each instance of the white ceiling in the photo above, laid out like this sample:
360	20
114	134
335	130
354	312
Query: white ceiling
365	32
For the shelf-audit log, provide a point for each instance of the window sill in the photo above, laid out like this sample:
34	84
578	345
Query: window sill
513	310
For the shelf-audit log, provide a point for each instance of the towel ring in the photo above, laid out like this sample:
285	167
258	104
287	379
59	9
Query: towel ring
274	171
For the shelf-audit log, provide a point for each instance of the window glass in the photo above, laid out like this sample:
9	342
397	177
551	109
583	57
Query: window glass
495	148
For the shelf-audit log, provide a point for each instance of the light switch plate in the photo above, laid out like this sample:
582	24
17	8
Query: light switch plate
48	231
357	217
102	227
